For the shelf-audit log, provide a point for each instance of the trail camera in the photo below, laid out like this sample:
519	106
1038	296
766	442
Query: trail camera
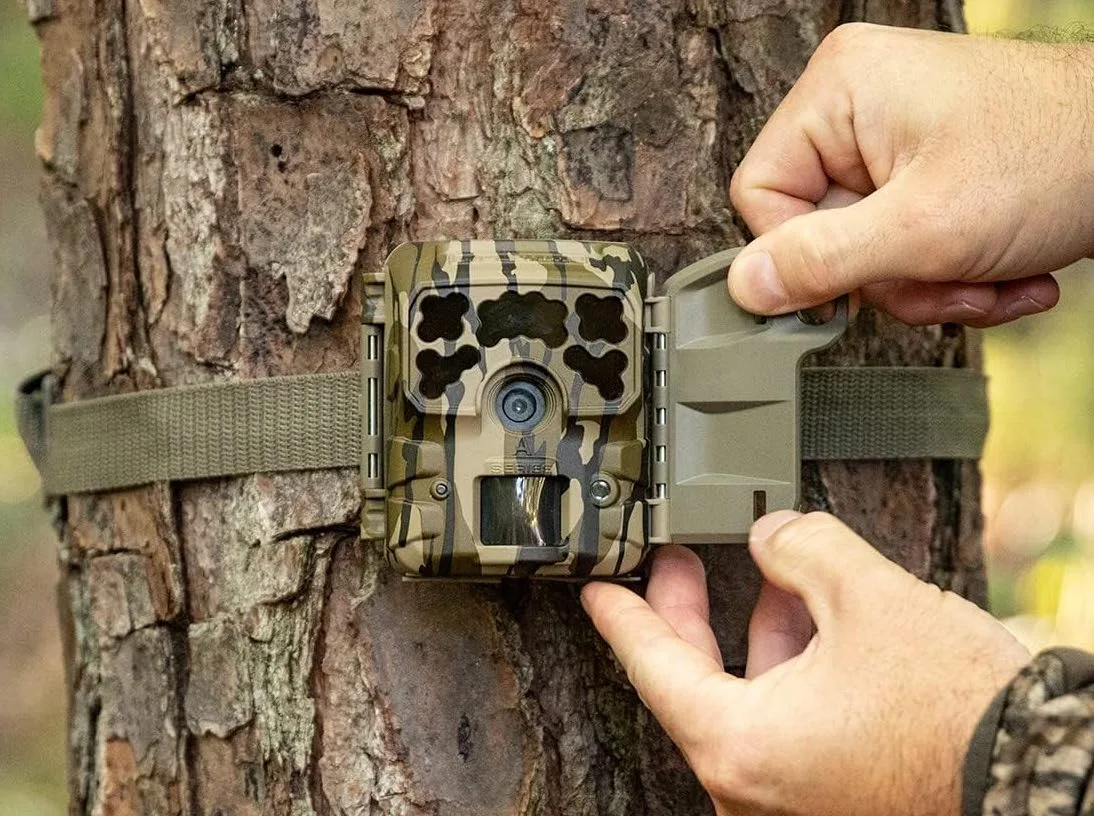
543	407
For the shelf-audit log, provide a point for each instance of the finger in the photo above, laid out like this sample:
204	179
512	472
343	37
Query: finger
674	679
980	305
820	560
678	593
1020	298
837	197
821	255
779	630
919	303
807	146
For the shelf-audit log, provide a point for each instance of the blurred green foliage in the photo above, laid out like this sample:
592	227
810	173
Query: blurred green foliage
20	89
1039	468
1039	464
1042	390
32	715
1013	16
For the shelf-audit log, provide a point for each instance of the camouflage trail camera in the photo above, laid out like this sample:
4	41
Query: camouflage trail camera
542	407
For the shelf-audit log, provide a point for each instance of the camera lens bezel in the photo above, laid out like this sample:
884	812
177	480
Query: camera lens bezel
522	384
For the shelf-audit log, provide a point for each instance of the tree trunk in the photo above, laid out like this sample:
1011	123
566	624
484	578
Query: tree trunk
216	175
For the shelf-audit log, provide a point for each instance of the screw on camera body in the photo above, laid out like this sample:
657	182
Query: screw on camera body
603	491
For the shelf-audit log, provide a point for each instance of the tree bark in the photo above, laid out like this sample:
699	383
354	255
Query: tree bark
217	175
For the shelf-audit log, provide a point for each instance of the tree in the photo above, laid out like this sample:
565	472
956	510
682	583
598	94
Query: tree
216	176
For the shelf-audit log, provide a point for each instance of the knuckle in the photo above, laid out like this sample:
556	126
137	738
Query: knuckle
743	188
817	270
616	622
641	668
817	258
849	39
737	184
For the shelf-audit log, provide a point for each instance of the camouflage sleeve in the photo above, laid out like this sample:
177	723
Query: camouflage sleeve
1033	752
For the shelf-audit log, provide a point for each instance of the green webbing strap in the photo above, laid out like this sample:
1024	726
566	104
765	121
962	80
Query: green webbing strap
313	422
893	413
307	422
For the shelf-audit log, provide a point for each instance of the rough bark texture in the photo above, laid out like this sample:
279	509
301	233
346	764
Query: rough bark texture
217	171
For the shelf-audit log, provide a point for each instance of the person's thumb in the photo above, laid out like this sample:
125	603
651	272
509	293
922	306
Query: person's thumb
816	257
819	559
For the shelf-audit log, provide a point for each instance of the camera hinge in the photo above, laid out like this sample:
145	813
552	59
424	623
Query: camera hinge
373	490
657	326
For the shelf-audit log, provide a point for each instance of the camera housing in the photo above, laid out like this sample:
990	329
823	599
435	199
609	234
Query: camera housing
543	408
512	383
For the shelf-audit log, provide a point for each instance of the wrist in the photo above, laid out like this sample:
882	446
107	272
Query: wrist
1072	97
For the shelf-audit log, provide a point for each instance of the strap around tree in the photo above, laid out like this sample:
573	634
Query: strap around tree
313	422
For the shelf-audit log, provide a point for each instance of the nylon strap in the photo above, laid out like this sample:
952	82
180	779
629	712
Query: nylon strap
307	422
313	422
893	413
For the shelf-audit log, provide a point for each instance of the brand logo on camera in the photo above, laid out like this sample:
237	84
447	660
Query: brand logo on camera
521	467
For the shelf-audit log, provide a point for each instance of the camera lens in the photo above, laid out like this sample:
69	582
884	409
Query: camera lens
521	404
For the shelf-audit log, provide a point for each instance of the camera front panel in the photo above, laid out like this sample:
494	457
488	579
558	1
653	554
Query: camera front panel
514	415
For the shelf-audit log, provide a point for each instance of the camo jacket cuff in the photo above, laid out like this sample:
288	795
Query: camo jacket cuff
1033	752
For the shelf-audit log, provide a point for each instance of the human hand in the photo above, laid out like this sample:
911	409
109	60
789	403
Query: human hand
870	715
941	176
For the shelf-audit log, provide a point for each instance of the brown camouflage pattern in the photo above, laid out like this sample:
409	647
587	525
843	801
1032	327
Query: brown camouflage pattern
1043	755
461	318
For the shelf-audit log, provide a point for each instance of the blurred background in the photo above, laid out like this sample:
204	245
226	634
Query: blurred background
32	698
1038	470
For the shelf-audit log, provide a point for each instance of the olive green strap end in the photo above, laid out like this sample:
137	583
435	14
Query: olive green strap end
275	424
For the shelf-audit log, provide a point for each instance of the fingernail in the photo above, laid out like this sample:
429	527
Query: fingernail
963	310
754	283
586	592
979	299
767	526
1024	307
970	302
